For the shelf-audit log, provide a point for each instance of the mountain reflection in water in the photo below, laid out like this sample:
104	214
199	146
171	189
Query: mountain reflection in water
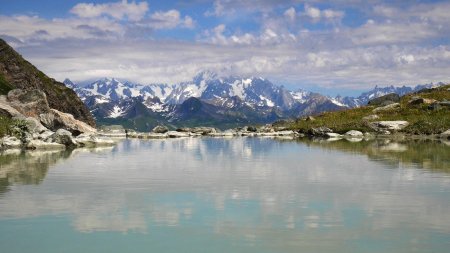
236	194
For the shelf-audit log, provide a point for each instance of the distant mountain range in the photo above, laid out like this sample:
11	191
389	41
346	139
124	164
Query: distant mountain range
210	100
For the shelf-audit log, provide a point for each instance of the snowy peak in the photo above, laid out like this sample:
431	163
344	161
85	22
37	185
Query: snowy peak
300	95
70	84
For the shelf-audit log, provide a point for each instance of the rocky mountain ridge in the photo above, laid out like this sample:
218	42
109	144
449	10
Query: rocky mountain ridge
17	73
209	99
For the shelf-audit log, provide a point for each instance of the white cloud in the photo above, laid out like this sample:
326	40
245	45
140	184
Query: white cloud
389	33
290	14
169	19
33	28
409	48
312	12
118	10
327	14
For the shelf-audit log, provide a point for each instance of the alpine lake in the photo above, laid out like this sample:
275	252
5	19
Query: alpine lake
240	194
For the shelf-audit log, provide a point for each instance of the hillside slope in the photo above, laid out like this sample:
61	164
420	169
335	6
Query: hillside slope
427	112
16	72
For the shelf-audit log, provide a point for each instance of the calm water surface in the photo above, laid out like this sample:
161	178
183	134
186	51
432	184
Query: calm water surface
228	195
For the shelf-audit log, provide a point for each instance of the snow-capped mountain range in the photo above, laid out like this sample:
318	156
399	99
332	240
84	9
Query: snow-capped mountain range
210	100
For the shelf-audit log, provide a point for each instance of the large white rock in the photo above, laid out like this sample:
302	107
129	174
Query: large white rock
223	134
333	135
390	107
39	144
10	142
64	137
389	125
7	110
446	134
354	133
156	135
35	126
91	140
56	119
175	134
285	133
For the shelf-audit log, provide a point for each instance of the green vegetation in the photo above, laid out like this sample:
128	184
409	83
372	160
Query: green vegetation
422	120
13	127
5	87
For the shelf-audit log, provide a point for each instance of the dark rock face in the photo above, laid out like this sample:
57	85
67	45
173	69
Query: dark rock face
20	74
385	100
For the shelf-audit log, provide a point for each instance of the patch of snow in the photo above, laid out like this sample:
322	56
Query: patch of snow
336	102
247	82
300	96
237	89
117	112
135	92
101	100
157	107
269	102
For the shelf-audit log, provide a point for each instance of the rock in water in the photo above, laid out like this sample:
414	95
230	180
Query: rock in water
39	144
203	130
446	134
333	135
64	137
90	140
160	129
10	142
175	134
354	133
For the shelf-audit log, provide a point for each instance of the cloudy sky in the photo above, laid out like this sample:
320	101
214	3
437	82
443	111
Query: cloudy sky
339	47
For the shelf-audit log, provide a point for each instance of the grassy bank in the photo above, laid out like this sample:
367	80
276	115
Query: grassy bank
6	126
422	120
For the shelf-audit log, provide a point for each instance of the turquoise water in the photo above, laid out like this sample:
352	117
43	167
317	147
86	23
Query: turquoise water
228	195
